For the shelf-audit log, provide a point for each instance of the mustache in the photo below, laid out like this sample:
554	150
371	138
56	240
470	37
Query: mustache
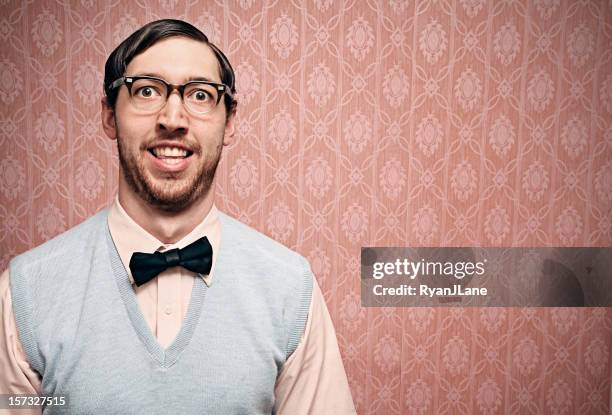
193	147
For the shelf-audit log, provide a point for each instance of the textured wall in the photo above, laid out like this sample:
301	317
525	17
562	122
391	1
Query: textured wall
450	122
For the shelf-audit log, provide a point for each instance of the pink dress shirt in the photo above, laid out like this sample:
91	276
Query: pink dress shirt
312	380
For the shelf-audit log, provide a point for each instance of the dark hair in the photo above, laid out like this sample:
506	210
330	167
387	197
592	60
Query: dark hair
147	36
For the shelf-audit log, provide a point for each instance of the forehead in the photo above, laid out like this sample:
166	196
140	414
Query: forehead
177	59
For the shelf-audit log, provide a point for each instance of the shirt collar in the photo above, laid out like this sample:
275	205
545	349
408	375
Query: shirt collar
130	237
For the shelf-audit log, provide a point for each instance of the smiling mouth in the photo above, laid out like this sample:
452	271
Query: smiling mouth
170	155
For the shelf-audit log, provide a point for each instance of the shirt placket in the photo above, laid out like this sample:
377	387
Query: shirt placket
168	305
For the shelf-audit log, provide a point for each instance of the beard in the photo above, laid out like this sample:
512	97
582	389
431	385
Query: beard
172	192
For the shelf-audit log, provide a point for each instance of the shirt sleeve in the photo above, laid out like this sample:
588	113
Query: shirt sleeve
16	374
313	380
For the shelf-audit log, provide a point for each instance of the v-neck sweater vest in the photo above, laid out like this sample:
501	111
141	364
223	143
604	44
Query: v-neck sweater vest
81	327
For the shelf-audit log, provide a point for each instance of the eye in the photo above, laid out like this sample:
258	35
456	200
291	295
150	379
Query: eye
200	95
146	92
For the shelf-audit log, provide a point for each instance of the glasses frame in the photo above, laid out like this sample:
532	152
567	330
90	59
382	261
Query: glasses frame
128	81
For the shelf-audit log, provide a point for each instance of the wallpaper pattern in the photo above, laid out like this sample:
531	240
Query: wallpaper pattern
363	123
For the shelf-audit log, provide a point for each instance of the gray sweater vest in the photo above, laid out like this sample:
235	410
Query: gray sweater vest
82	330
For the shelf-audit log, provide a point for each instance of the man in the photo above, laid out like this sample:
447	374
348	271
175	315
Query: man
162	304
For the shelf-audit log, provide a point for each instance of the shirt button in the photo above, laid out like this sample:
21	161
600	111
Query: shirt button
168	310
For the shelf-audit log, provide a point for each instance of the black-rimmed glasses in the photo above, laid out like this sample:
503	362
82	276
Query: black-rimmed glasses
150	94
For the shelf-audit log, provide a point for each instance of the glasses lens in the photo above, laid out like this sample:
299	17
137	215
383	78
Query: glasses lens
148	94
200	98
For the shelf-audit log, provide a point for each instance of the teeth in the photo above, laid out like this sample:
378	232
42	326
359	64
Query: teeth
169	152
171	161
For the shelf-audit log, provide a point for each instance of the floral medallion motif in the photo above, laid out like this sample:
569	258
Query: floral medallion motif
559	397
244	176
12	83
418	397
398	6
546	7
429	134
247	83
282	131
50	222
421	318
507	43
569	225
87	83
580	45
354	222
574	137
497	225
540	90
492	318
488	397
323	5
12	177
535	181
168	4
603	182
472	7
455	355
280	222
596	357
502	135
396	86
318	177
46	33
392	178
563	319
463	180
320	264
468	89
352	315
425	224
357	132
433	41
387	354
126	25
49	130
90	178
209	25
360	38
526	355
321	84
284	36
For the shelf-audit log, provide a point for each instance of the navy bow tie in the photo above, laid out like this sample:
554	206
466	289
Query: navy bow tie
196	257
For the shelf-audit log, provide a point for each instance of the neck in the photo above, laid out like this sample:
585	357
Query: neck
168	227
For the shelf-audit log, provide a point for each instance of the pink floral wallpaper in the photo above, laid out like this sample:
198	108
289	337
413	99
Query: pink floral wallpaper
363	123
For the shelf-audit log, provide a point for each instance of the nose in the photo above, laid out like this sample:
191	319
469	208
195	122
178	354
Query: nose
172	118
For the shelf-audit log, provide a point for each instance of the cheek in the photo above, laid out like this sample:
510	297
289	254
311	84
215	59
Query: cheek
211	134
131	135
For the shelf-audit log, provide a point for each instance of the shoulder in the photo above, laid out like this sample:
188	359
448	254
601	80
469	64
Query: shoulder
67	244
284	278
257	245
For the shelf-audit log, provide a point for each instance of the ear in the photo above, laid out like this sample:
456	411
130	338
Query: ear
109	123
230	130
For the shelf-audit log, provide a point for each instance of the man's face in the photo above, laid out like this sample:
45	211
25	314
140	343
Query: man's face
168	158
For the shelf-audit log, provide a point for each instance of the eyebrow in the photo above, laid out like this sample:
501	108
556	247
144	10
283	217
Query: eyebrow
190	79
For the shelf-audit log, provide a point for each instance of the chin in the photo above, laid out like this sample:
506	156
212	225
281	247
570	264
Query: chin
173	201
170	203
